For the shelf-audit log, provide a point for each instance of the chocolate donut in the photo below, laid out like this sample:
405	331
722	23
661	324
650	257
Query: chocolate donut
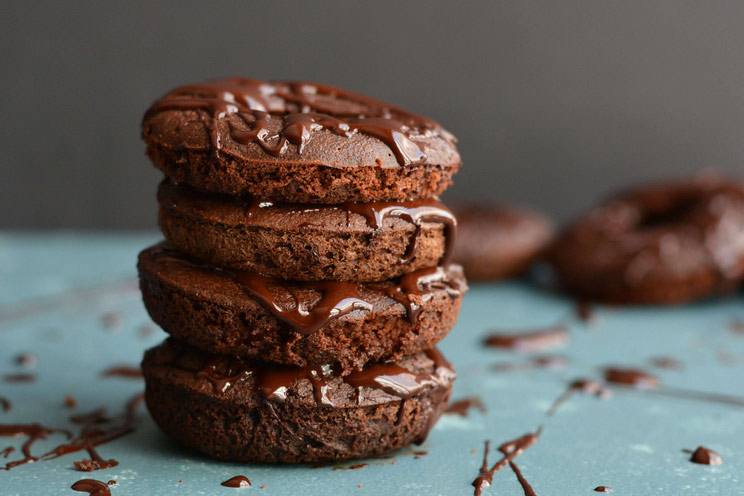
237	410
498	242
296	142
346	242
347	324
665	243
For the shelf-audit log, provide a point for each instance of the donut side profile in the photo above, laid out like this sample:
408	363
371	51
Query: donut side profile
296	142
236	410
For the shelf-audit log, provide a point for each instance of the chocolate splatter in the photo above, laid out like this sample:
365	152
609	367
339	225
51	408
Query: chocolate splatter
124	371
666	363
630	377
584	386
5	404
92	487
237	481
531	341
602	489
33	433
461	407
705	456
541	362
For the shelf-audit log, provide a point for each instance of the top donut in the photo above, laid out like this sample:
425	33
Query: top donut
297	142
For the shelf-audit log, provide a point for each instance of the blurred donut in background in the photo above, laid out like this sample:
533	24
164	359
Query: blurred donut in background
669	242
497	242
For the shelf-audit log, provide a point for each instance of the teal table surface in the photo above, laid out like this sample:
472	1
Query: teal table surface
72	300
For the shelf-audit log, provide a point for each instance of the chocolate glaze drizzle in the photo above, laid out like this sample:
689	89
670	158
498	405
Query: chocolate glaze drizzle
705	456
92	487
303	108
237	481
338	299
536	340
416	212
584	386
510	450
33	433
419	285
93	433
274	382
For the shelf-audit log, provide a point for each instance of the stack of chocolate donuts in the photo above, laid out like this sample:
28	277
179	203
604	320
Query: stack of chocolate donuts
305	277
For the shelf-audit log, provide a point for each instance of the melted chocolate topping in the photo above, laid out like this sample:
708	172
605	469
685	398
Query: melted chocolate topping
237	481
416	212
602	489
528	491
123	371
705	456
631	377
92	487
277	114
536	340
461	407
338	299
419	285
274	382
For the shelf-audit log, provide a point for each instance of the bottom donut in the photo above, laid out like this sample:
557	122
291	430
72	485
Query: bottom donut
236	410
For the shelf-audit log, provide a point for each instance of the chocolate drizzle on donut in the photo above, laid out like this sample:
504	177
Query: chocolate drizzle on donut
338	299
277	114
274	382
416	212
415	288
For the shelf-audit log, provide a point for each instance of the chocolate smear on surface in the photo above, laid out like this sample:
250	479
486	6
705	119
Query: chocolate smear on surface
635	378
666	363
5	404
19	377
124	371
541	362
237	481
461	407
584	386
602	489
530	341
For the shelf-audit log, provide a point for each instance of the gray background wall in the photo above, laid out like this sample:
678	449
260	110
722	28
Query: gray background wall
555	103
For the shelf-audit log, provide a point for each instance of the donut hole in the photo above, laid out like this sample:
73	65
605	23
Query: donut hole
673	212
